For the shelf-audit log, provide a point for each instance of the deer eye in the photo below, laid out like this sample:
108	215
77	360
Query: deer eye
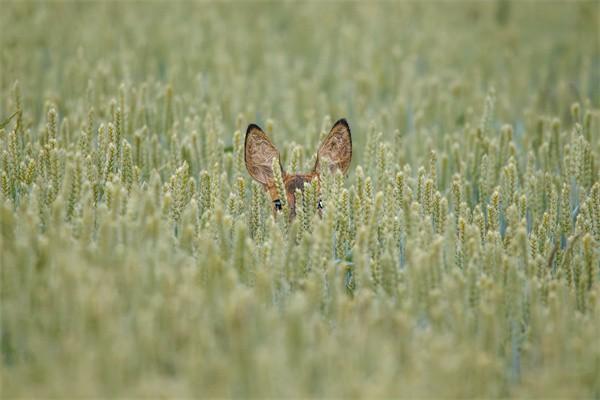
277	203
320	205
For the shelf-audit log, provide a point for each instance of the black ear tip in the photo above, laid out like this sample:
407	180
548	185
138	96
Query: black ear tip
342	121
252	127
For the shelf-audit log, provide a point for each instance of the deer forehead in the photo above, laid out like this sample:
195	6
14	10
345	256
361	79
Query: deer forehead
291	182
296	181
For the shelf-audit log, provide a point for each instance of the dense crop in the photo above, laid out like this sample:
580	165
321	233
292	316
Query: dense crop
458	258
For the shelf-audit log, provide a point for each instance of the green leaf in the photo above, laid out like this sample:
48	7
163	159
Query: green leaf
7	120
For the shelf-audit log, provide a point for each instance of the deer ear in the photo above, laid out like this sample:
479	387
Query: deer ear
259	153
336	150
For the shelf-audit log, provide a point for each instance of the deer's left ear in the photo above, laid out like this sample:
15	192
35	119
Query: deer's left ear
336	150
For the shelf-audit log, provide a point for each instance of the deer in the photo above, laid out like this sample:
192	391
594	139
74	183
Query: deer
334	153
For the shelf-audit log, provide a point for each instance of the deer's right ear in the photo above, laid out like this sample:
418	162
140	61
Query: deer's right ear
259	153
336	150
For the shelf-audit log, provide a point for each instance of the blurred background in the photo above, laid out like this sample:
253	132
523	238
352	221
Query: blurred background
399	65
139	258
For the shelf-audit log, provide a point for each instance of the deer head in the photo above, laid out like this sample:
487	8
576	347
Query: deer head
334	153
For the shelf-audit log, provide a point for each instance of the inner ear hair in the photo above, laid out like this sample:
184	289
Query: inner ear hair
336	149
259	152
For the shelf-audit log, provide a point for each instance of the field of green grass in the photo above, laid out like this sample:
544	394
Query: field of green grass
459	257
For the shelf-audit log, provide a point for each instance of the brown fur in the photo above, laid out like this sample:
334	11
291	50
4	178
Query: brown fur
259	152
293	182
336	149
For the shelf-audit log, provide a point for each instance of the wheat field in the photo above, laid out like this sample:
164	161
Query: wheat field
459	257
